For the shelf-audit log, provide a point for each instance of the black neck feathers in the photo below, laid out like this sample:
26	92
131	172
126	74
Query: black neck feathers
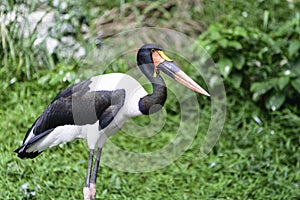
151	103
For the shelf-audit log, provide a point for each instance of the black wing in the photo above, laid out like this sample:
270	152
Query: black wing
80	88
77	106
81	108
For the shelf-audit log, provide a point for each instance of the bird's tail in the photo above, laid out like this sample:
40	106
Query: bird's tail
21	151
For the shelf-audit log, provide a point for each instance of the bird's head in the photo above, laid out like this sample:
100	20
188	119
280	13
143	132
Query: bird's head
151	59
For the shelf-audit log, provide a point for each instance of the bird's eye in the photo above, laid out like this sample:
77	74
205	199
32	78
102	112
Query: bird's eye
152	50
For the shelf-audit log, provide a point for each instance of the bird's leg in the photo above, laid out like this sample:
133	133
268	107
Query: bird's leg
86	189
94	175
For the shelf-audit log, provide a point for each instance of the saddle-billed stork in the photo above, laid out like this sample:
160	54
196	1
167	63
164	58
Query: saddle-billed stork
96	108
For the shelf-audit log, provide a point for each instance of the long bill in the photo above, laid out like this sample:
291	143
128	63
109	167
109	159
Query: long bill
176	73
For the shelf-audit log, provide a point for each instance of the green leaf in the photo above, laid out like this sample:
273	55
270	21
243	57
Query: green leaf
239	31
223	43
275	100
211	48
295	66
239	61
293	47
235	44
282	82
296	84
260	88
202	43
44	79
225	66
215	35
262	52
236	80
56	79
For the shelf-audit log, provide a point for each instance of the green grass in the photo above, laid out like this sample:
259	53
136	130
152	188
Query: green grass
250	161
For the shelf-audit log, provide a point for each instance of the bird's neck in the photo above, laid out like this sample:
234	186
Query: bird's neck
152	103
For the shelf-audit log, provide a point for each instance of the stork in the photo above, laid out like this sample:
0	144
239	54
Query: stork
96	108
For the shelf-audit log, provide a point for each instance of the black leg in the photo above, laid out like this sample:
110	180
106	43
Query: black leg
96	166
88	175
94	175
86	189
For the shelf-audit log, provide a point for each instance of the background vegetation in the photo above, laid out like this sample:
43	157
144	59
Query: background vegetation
256	45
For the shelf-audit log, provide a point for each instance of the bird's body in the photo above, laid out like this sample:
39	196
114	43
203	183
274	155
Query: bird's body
48	132
96	108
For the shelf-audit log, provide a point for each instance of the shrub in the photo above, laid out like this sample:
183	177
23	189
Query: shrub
266	65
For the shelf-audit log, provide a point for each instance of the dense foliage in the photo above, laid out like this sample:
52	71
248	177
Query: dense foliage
263	61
